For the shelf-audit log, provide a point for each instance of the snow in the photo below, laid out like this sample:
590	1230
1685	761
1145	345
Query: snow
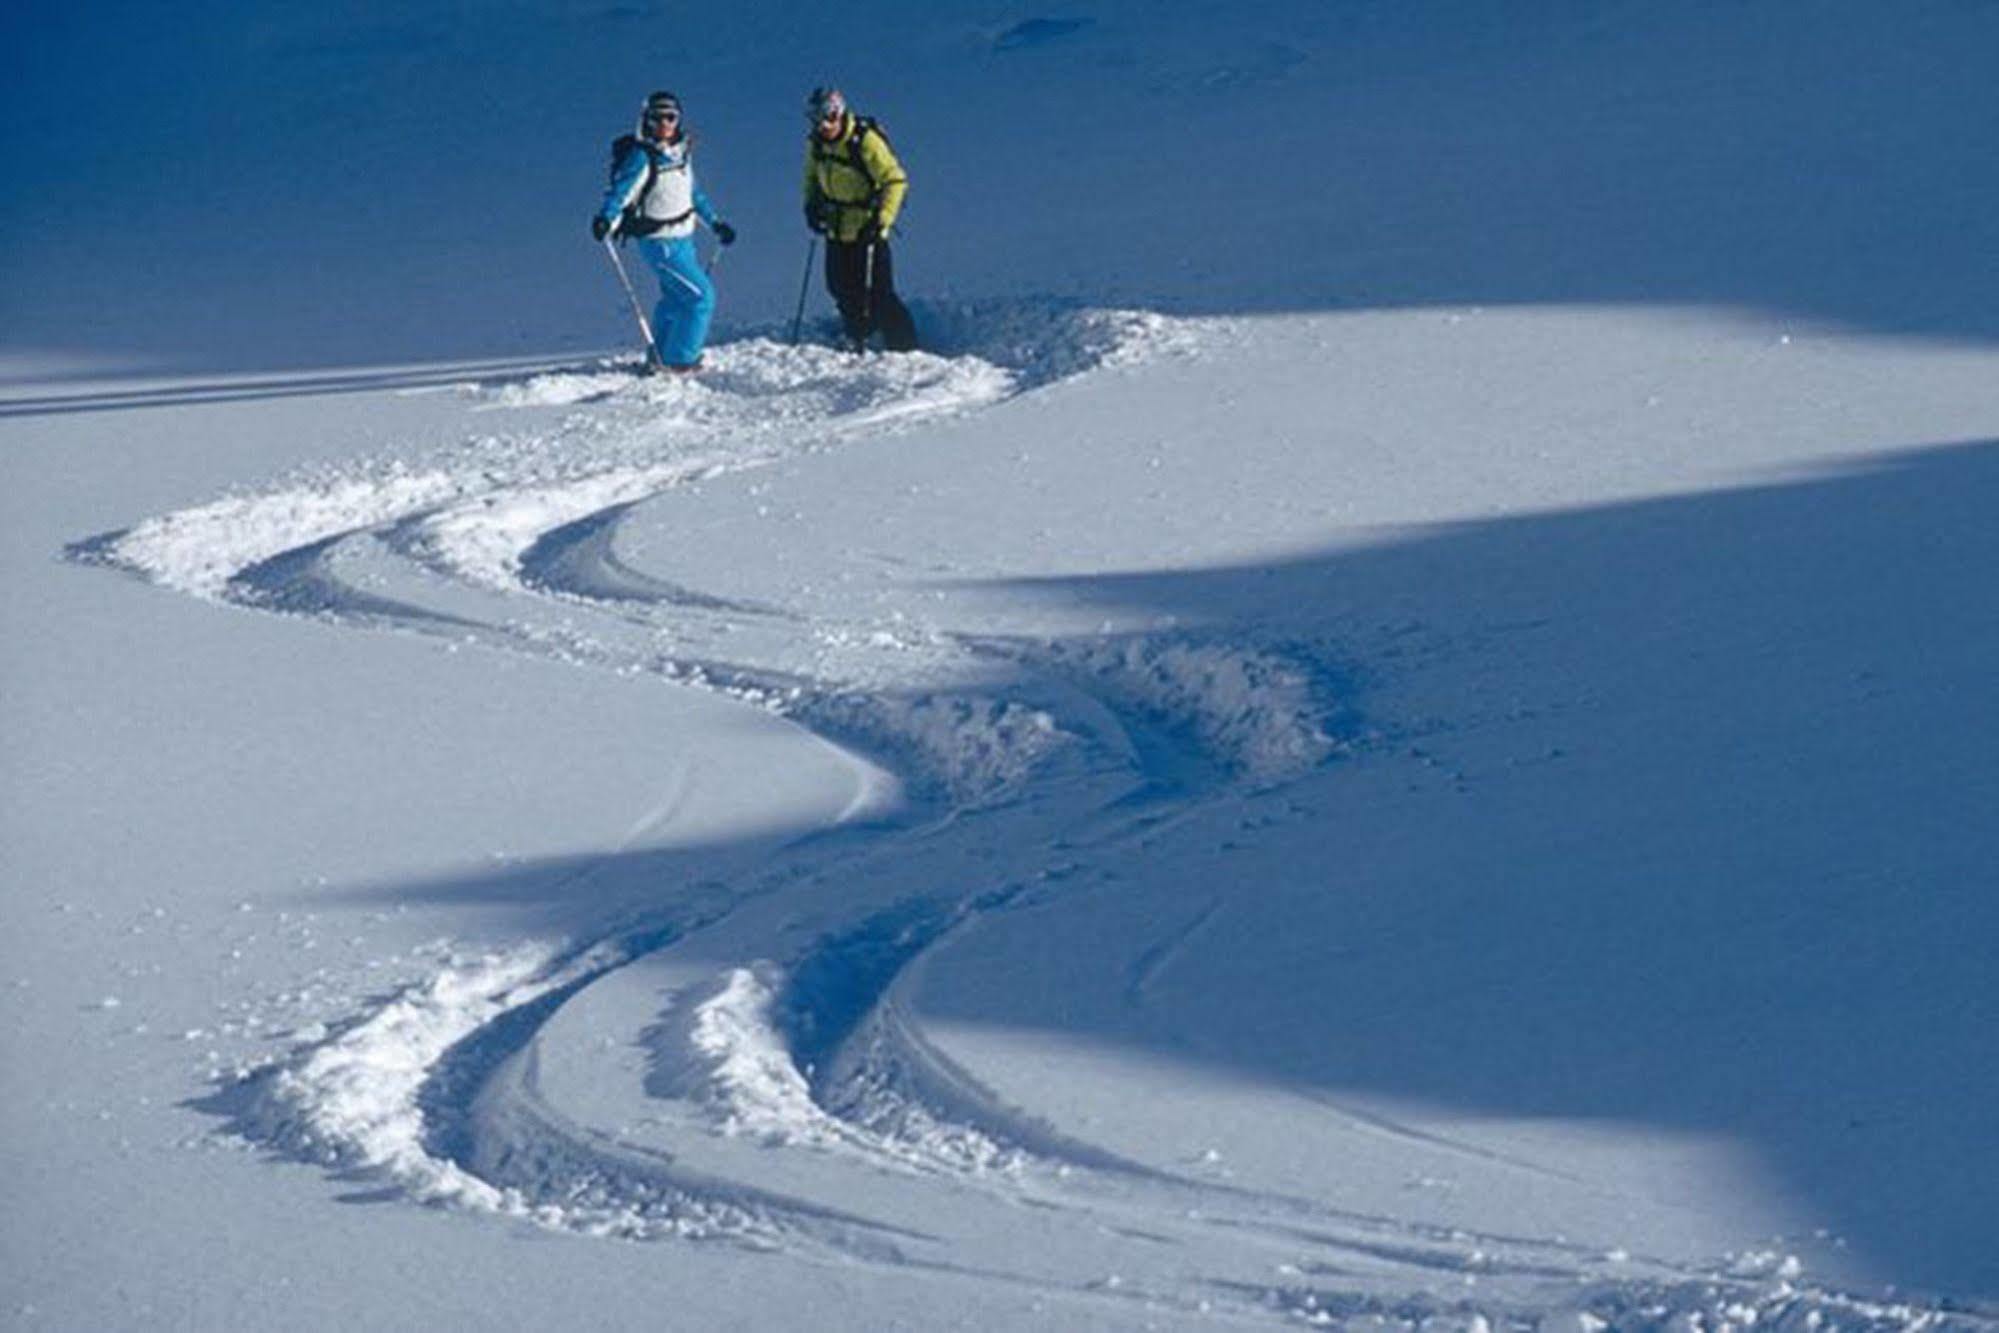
1389	729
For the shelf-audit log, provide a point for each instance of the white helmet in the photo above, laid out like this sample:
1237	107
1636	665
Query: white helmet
826	103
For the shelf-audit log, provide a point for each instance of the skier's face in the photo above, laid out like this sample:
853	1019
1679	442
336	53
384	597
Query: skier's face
829	124
663	124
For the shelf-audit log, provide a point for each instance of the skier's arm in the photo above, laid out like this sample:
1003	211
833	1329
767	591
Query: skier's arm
624	186
705	210
814	199
891	182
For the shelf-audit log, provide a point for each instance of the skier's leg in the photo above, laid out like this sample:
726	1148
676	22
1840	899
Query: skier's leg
686	301
846	281
891	316
658	255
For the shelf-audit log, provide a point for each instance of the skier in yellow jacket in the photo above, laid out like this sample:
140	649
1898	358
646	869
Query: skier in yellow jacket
854	188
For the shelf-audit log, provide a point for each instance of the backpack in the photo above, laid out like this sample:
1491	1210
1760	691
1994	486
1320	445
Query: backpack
631	222
863	127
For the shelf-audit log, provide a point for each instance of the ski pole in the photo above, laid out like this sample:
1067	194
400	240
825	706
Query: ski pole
804	285
653	358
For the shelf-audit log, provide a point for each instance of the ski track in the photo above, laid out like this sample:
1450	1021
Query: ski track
444	1091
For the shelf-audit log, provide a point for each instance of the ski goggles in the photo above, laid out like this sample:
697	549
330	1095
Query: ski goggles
827	109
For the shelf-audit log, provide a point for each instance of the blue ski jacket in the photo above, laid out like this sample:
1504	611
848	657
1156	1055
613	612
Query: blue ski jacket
659	179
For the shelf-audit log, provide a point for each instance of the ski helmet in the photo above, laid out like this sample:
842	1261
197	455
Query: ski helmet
825	103
661	108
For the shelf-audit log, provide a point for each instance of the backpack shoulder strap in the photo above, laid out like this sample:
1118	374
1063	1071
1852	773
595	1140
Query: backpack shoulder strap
863	127
622	149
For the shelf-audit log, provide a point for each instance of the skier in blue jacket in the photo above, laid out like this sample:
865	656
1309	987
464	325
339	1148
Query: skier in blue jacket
654	200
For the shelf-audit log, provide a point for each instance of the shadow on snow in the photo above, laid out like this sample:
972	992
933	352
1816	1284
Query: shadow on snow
1684	820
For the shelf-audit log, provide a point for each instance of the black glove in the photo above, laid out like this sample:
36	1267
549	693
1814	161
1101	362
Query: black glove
815	219
873	231
600	227
724	233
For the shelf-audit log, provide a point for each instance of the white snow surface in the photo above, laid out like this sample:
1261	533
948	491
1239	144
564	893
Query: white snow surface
1391	729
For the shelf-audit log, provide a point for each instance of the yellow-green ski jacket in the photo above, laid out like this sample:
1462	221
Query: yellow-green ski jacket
853	179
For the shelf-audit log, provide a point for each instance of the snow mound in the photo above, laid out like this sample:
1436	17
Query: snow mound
1005	346
731	1047
719	1048
1042	342
353	1101
200	551
1260	715
967	749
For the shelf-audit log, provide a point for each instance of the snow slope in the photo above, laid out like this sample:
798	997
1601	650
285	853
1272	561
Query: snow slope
1409	751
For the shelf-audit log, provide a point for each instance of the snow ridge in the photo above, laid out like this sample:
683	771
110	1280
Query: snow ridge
353	1101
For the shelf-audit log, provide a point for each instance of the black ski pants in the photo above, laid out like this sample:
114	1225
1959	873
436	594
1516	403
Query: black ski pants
865	293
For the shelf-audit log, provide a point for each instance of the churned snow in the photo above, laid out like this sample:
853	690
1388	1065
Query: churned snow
1388	729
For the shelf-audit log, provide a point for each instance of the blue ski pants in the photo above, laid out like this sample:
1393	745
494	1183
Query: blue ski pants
686	299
